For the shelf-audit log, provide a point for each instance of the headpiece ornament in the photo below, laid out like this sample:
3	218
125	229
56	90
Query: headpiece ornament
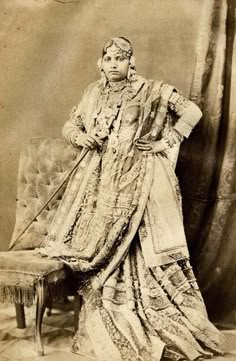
124	46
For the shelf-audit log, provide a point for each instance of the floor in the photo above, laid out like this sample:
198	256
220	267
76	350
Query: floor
18	344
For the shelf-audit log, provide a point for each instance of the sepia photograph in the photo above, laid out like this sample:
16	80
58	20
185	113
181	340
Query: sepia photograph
117	180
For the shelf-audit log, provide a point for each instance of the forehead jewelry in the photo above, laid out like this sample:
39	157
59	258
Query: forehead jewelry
114	49
124	46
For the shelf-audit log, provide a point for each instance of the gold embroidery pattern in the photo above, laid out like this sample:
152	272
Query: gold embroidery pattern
152	295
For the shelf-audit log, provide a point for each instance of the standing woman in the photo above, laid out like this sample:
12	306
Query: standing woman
120	221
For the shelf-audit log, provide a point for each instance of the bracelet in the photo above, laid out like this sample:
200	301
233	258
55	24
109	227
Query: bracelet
171	138
178	136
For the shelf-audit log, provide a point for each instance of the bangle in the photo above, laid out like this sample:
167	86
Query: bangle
171	138
178	136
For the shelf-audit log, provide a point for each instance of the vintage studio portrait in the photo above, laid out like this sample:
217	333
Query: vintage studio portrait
118	180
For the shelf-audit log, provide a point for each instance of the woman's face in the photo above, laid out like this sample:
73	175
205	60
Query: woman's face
115	65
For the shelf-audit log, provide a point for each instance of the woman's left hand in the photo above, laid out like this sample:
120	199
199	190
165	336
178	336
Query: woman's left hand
149	146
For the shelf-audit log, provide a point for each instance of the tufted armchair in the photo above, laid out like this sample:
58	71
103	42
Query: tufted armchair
24	275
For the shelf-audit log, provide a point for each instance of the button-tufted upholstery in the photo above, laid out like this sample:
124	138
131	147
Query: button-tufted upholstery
43	164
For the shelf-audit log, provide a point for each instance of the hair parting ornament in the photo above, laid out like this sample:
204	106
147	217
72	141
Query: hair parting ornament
124	46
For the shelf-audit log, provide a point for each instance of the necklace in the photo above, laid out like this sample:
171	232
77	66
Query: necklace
110	102
118	85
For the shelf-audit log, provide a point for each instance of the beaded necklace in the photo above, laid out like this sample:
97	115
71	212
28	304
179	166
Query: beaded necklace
107	115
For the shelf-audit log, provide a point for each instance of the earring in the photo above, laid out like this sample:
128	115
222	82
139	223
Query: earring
99	63
103	75
132	70
132	61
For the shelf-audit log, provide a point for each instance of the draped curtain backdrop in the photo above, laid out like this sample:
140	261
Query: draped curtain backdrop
207	163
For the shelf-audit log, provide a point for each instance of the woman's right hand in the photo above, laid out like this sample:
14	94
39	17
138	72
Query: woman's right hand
87	141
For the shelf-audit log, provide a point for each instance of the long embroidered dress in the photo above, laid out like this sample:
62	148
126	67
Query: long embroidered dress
120	225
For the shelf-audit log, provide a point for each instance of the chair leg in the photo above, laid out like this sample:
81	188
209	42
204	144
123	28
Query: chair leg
20	315
41	294
77	308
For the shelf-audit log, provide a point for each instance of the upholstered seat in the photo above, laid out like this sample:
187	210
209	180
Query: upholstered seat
21	271
24	274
